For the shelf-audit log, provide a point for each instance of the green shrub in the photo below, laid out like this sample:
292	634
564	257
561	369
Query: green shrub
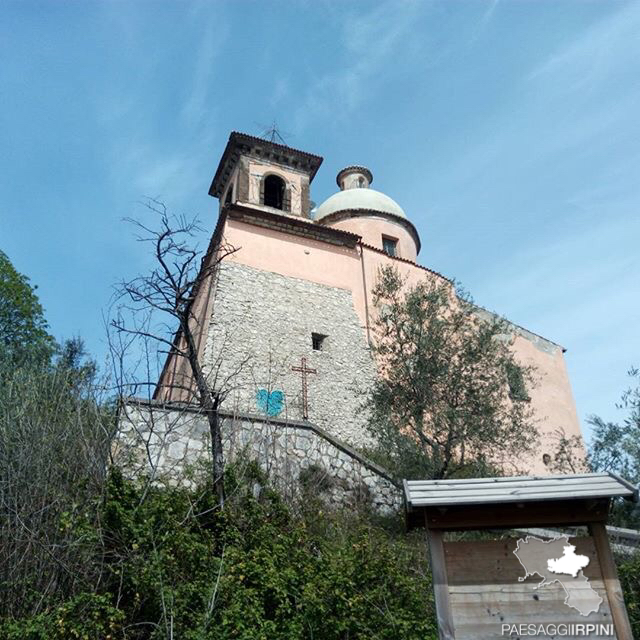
629	573
257	571
88	616
172	563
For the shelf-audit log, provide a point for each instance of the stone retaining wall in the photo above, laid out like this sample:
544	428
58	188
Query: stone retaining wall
164	441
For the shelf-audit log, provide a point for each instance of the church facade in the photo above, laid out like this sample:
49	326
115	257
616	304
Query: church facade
286	323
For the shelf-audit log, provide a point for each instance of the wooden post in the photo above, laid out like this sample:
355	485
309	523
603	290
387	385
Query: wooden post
611	583
440	584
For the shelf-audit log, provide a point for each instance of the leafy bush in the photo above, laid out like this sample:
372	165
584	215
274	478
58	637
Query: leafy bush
88	616
172	563
24	337
629	573
616	447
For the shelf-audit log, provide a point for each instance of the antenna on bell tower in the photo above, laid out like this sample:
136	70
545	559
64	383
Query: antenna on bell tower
273	133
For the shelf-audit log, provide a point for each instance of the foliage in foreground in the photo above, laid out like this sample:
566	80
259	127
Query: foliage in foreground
615	447
54	440
629	574
24	333
173	565
101	558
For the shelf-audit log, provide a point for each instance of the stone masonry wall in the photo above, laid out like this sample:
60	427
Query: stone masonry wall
165	441
261	326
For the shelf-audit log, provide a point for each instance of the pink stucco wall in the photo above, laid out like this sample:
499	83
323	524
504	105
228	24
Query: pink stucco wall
551	398
316	261
356	270
372	228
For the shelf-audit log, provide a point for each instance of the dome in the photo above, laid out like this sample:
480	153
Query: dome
378	220
359	198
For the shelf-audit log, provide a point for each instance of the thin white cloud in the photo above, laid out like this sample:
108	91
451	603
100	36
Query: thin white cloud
371	43
147	159
579	97
591	58
197	105
484	21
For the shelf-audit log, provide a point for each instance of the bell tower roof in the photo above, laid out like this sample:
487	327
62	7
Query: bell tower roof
242	144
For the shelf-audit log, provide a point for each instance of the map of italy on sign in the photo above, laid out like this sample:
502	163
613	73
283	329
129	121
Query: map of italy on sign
556	561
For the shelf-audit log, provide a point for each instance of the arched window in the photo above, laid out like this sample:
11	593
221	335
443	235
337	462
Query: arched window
274	189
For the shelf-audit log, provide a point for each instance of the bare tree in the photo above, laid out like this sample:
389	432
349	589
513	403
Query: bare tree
149	306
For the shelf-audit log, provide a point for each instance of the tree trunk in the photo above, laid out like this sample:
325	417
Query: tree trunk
216	452
210	402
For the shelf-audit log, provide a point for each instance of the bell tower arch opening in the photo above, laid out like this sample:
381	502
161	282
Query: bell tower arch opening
274	191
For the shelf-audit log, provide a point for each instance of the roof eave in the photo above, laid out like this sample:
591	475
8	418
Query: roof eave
237	138
291	223
364	211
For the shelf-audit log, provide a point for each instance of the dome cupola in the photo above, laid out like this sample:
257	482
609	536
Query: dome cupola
354	177
373	215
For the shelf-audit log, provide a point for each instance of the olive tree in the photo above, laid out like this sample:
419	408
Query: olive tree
450	399
615	446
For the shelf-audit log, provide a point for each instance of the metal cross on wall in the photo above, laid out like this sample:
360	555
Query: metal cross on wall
304	370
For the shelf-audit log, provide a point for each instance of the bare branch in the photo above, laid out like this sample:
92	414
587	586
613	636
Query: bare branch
170	290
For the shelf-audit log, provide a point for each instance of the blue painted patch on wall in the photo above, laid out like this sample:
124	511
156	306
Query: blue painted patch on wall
271	403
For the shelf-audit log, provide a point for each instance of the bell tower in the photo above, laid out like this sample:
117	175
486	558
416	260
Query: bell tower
265	175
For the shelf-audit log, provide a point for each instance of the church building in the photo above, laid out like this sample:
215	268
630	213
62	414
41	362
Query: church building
285	325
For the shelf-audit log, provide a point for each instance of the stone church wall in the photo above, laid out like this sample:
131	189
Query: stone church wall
262	325
166	441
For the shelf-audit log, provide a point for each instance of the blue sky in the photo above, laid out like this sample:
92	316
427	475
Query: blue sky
509	132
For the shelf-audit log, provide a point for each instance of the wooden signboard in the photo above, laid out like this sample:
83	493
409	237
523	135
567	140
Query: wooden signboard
487	599
525	586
